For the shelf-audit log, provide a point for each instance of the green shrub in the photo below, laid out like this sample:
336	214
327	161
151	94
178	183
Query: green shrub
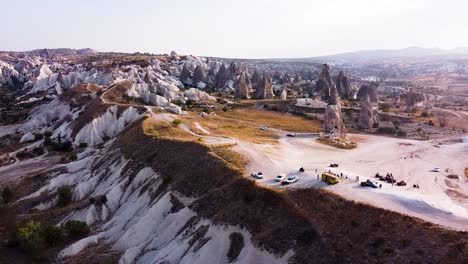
38	136
7	195
47	134
385	107
30	240
64	196
401	133
176	122
75	228
52	235
386	130
72	157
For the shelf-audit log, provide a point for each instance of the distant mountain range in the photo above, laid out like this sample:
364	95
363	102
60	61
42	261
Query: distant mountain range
368	55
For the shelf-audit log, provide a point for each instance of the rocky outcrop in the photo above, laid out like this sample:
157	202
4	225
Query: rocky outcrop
343	85
368	116
199	75
368	90
242	86
284	95
222	76
324	83
411	100
186	75
333	124
264	88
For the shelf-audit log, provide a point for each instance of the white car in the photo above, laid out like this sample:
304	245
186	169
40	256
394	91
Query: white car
290	179
280	177
264	128
259	175
436	169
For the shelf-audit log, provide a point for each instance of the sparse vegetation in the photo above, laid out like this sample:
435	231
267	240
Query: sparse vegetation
75	228
176	122
7	195
64	196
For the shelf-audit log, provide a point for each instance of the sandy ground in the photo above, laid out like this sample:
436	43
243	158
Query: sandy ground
408	160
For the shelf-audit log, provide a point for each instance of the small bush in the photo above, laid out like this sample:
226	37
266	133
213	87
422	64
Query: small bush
386	130
401	133
385	107
52	235
83	145
425	114
307	237
47	134
75	228
176	122
72	157
7	195
38	137
430	123
375	125
64	196
30	240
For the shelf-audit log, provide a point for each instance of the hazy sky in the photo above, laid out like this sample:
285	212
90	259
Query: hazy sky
236	28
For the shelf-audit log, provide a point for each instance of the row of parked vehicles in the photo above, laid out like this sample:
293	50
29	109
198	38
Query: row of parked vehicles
280	178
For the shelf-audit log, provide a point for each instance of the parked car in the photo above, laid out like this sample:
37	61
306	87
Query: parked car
264	128
401	183
334	165
259	175
290	135
370	183
280	177
436	169
290	179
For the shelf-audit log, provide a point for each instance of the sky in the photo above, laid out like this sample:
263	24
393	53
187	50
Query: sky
236	28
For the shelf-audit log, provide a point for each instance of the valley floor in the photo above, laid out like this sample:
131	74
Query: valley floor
439	199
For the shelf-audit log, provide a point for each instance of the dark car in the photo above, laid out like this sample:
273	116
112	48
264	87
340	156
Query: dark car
401	183
369	183
334	165
291	135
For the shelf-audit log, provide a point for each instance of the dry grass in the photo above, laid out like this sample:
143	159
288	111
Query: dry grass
275	120
244	124
230	156
165	130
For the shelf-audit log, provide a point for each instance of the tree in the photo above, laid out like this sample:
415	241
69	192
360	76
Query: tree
7	195
64	196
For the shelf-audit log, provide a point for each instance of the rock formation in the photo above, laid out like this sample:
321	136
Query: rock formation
411	100
222	76
368	89
367	116
264	88
199	75
242	86
324	83
343	85
185	75
284	95
333	124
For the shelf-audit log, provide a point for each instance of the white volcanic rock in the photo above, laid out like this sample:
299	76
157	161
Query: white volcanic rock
367	116
7	73
242	86
284	94
42	116
106	126
28	137
264	88
196	95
